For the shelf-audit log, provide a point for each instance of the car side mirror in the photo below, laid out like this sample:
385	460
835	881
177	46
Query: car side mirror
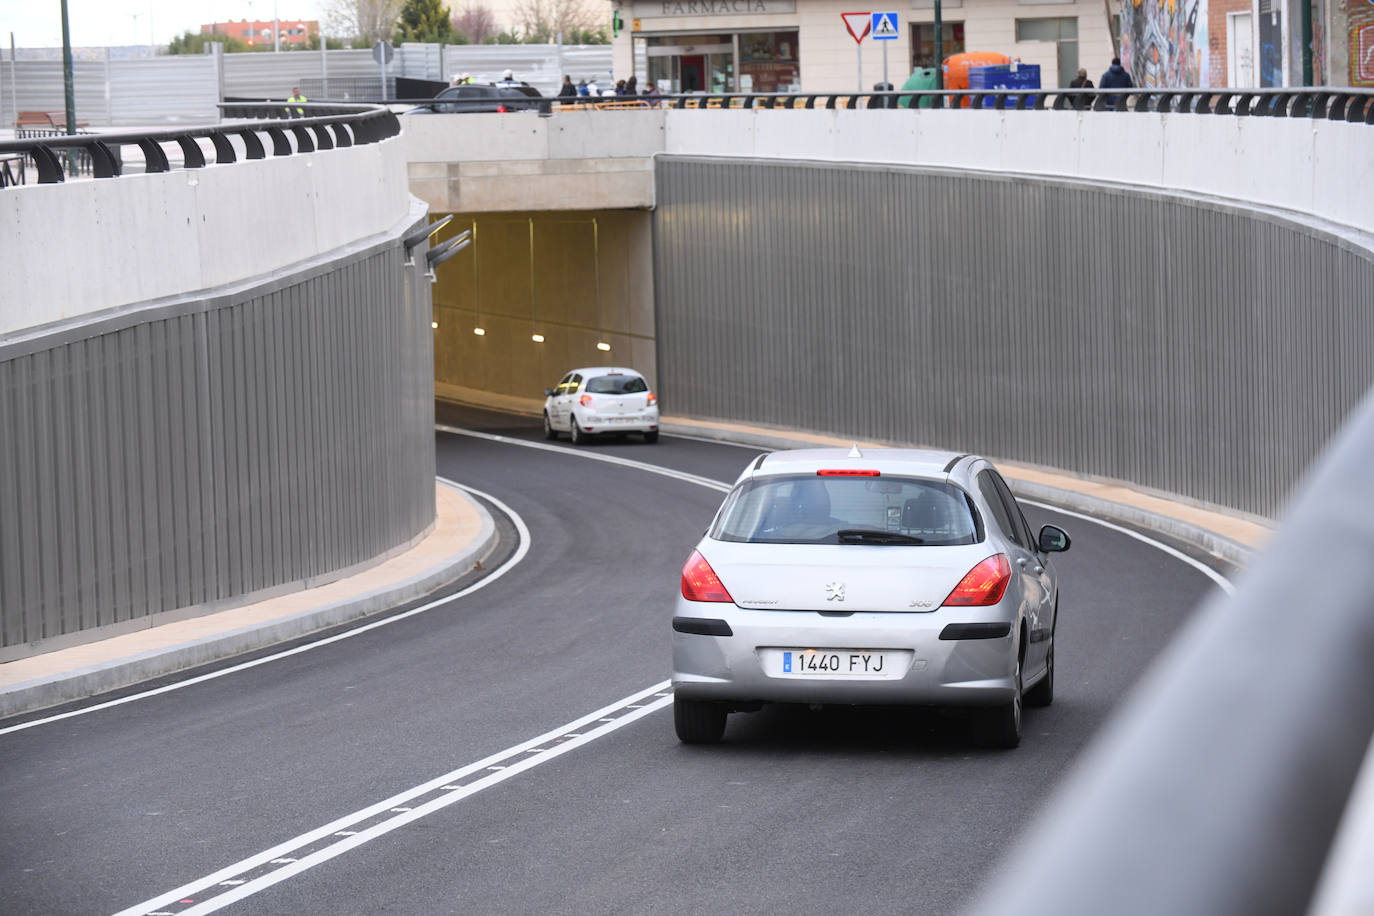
1053	540
548	392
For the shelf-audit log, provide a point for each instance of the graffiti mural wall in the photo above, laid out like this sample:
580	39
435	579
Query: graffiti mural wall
1361	22
1164	42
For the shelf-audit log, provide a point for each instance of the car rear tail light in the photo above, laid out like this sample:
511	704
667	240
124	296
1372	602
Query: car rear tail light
985	584
502	109
700	582
653	399
847	472
585	400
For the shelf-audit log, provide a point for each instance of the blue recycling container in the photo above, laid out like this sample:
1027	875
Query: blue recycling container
1025	76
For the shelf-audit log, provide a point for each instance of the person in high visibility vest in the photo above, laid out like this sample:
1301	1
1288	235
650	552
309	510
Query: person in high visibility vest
297	97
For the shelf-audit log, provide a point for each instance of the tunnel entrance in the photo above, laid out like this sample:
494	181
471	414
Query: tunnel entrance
538	293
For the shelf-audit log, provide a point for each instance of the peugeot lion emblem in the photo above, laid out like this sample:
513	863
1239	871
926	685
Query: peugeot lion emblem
834	591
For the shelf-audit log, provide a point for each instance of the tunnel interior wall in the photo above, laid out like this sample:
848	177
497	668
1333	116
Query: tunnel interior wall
1195	348
574	278
179	457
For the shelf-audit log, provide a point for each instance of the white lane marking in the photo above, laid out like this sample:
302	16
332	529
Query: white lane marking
710	441
1222	582
706	482
1218	578
275	855
506	567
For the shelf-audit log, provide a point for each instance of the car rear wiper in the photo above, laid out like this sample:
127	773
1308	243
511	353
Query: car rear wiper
871	536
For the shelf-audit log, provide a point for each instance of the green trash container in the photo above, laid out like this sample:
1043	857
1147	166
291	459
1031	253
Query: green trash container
921	79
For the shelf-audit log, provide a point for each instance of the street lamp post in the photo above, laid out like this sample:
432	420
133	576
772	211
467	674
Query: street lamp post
67	87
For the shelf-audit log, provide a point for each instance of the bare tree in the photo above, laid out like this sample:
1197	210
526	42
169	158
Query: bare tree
476	22
542	20
371	19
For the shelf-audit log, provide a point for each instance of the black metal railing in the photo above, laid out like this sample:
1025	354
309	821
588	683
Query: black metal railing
312	126
1330	103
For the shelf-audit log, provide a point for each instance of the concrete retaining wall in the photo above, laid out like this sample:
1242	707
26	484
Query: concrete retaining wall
85	246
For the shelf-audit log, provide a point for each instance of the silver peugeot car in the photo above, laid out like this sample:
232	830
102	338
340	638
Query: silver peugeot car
888	576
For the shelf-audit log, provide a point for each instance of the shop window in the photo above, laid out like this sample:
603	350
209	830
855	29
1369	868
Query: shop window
691	63
923	42
768	62
1061	30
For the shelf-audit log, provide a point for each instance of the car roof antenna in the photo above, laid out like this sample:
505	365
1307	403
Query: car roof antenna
854	452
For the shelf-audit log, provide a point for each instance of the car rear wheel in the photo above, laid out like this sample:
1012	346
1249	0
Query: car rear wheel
575	432
651	437
1000	726
1042	694
549	431
698	721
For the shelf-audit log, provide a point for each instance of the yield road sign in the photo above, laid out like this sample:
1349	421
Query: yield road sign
852	21
884	26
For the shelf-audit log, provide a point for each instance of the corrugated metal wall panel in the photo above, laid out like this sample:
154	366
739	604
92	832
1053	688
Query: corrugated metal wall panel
140	93
117	92
181	461
272	75
1191	348
134	92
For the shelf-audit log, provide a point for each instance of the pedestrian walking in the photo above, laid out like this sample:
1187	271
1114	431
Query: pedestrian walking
568	90
1116	77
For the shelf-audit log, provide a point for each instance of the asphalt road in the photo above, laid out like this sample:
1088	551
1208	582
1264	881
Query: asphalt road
873	811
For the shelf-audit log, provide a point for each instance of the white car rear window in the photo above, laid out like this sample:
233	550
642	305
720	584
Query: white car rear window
616	384
834	510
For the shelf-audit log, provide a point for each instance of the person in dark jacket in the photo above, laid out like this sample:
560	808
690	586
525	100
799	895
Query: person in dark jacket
568	90
1081	81
1116	77
632	86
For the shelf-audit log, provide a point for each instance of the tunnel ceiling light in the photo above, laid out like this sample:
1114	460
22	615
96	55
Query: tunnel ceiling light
602	345
537	338
479	331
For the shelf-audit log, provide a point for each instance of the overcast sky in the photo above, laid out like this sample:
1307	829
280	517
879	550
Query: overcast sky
96	23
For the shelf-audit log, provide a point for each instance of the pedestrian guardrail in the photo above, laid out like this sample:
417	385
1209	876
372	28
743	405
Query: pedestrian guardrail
1336	104
313	126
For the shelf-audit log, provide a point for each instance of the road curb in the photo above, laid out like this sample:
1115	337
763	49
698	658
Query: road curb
55	689
1213	543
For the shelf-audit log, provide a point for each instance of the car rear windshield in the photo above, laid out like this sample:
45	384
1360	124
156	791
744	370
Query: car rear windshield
849	510
616	384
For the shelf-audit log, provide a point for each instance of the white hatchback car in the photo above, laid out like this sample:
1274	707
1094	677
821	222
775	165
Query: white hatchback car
600	399
892	576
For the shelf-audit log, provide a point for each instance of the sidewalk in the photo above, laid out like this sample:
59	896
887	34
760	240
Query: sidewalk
463	533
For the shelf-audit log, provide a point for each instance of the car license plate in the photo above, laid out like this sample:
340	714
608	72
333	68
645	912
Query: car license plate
837	663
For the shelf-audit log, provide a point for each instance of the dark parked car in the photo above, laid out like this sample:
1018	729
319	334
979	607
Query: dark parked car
484	97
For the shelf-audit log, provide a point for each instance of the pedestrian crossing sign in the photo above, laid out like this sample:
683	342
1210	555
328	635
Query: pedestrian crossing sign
884	26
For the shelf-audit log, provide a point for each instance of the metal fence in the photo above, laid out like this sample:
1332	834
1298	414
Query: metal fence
1195	348
220	446
184	88
140	91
